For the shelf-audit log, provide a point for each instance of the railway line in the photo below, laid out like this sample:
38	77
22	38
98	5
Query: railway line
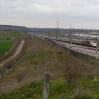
82	49
88	47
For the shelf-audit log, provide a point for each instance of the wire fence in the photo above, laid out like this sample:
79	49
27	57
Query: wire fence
64	96
45	88
12	67
23	95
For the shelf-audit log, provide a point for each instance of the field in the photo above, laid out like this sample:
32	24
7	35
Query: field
5	46
11	34
71	77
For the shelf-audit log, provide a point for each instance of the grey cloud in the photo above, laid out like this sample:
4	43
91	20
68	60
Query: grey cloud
38	12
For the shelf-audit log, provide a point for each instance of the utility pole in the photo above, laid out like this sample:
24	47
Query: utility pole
97	45
70	26
70	37
57	31
89	35
79	35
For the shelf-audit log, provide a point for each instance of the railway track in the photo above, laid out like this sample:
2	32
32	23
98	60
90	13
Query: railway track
82	49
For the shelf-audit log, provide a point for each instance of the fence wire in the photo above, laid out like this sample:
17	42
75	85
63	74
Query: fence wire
63	96
29	91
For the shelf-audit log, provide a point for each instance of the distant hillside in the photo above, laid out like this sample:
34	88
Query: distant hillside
40	30
11	34
10	27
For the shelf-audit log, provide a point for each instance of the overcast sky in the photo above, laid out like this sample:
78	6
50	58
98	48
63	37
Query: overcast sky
46	13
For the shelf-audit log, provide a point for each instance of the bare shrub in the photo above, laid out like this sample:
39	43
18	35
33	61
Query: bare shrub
74	67
1	79
20	76
70	70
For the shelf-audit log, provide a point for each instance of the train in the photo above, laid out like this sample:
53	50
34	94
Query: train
89	43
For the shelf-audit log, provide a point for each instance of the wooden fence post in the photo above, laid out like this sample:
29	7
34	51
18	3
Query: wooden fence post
46	86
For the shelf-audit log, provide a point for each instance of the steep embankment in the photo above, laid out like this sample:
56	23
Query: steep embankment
70	76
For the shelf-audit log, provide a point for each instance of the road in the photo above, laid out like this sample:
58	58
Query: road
16	53
81	49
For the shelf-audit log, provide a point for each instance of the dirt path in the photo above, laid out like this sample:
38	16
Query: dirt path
16	53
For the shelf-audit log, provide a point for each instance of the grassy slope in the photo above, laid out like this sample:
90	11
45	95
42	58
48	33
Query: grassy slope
42	57
11	34
5	46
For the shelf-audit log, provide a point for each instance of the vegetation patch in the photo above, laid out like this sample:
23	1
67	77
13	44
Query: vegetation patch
11	34
71	77
59	89
33	90
5	46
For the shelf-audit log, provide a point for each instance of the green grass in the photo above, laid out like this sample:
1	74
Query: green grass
29	91
59	89
5	46
11	34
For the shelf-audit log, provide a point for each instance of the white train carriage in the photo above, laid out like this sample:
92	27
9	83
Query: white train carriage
93	43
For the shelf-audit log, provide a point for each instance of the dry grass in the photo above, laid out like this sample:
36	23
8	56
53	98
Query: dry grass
74	67
41	57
